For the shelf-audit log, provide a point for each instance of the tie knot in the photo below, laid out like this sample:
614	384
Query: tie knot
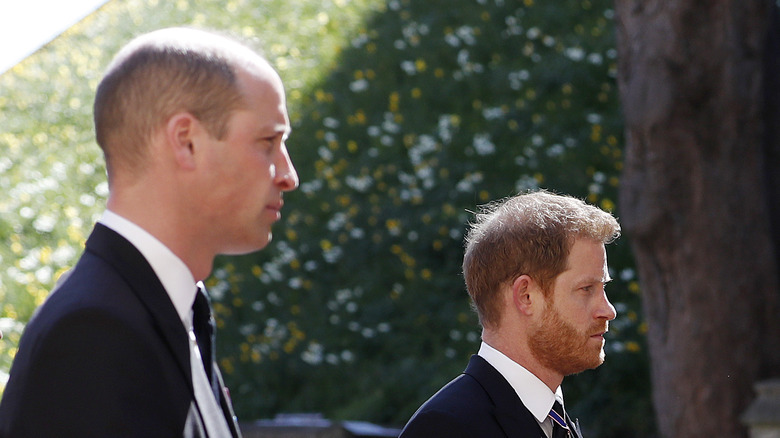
201	308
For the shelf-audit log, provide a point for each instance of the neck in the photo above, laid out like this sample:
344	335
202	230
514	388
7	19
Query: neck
173	230
516	348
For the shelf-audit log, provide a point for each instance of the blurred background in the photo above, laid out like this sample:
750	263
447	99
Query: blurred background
407	115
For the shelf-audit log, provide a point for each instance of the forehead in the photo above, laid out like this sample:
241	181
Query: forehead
263	95
587	258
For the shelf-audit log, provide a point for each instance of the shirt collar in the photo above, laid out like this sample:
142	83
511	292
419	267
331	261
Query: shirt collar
534	394
174	275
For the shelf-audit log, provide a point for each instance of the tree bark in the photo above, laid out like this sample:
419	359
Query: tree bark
699	201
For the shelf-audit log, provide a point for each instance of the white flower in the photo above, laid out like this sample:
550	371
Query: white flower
593	118
330	122
452	40
575	53
313	354
44	223
325	153
483	145
526	182
409	67
493	113
466	34
359	183
358	86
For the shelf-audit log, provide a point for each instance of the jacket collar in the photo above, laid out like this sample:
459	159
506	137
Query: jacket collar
509	411
139	275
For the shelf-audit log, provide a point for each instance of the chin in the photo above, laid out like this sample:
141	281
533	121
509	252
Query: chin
245	248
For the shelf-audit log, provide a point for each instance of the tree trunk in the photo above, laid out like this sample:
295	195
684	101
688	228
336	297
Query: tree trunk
699	202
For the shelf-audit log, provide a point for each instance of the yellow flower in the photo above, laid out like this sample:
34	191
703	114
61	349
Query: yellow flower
256	357
227	366
595	133
633	347
393	224
360	117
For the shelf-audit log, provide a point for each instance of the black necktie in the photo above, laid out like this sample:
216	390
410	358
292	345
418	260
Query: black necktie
204	327
560	425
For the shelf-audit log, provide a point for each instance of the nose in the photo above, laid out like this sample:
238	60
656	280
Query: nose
605	309
286	177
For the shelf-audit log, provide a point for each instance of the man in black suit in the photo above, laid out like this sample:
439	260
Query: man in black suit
535	268
193	128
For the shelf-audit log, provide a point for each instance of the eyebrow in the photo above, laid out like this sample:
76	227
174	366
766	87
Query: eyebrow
597	280
284	130
274	131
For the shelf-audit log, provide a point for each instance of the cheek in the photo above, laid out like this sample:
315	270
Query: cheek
577	315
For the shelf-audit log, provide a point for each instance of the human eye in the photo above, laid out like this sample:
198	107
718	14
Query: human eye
266	144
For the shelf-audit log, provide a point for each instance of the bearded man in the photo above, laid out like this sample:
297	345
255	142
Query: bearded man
535	267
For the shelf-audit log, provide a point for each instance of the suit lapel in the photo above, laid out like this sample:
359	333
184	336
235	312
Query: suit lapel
575	427
510	413
136	271
227	404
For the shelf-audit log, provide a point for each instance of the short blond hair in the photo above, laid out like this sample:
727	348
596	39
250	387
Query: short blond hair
528	234
159	74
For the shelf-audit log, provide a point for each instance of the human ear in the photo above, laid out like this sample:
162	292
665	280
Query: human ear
180	136
522	294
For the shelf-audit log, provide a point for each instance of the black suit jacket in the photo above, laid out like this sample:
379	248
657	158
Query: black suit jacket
105	355
479	403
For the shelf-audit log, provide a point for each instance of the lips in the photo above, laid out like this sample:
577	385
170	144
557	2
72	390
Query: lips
276	206
599	332
274	209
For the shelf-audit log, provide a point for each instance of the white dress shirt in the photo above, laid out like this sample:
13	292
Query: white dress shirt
535	395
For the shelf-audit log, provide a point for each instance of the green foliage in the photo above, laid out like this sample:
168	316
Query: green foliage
407	115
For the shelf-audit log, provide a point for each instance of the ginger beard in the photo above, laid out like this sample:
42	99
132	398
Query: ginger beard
560	347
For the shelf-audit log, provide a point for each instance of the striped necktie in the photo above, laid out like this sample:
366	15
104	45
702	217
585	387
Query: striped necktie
558	416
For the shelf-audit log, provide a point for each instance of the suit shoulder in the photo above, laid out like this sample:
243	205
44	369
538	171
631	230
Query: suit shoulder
459	409
91	285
